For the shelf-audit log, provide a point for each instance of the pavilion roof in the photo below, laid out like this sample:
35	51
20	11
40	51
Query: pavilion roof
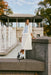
21	15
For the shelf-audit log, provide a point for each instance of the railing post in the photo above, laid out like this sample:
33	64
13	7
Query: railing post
4	35
8	34
16	26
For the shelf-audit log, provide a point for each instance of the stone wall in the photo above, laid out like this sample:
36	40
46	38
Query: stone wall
41	51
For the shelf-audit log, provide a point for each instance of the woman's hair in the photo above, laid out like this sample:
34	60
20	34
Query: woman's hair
26	19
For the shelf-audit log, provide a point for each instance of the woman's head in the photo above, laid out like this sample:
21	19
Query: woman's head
27	21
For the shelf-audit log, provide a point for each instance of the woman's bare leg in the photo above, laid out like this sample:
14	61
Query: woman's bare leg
22	52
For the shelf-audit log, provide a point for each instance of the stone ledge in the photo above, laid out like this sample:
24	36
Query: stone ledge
42	40
21	65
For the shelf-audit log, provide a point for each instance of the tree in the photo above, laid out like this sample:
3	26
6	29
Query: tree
46	10
47	30
3	6
45	2
46	13
9	11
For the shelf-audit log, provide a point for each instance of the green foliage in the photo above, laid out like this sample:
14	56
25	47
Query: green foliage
48	1
42	3
46	13
47	30
45	2
9	11
46	10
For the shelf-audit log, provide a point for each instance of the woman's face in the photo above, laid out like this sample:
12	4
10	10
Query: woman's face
27	21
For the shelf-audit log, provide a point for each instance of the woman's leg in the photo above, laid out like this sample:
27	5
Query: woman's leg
22	54
22	51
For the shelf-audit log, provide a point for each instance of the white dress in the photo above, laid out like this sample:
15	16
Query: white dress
26	38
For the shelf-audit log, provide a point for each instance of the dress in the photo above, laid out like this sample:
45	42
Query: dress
26	38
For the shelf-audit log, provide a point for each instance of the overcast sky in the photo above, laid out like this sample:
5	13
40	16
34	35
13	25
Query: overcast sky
23	6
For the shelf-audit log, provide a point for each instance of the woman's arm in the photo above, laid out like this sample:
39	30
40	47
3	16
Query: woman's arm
32	35
31	32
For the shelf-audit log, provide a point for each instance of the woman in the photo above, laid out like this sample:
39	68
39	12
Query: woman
26	41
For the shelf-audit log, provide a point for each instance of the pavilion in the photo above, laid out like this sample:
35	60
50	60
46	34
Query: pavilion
21	18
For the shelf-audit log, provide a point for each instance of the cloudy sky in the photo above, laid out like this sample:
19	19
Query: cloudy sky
23	6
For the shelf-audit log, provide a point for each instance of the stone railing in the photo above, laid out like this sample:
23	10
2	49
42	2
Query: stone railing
7	39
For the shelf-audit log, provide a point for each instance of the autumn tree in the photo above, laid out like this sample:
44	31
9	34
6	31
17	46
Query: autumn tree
3	6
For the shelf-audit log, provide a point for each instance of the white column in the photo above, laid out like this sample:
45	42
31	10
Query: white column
15	37
8	21
16	25
9	37
4	35
34	23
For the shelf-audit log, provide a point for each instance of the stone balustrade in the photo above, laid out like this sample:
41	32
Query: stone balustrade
7	39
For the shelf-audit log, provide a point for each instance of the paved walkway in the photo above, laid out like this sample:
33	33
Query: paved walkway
13	53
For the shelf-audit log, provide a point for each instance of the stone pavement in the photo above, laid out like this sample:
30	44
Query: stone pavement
13	53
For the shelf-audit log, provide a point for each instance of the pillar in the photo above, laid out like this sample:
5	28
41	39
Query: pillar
8	21
33	22
5	37
9	37
16	26
39	24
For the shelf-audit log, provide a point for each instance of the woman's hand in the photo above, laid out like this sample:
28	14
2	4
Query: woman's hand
32	36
